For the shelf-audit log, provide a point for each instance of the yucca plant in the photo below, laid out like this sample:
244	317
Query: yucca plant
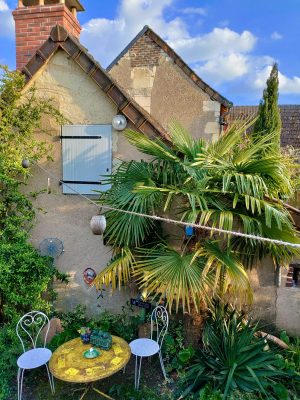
233	358
229	184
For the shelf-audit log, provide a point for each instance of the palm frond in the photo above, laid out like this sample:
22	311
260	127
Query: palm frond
229	272
165	272
118	271
154	147
230	138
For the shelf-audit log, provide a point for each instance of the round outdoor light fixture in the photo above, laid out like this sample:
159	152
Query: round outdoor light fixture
119	122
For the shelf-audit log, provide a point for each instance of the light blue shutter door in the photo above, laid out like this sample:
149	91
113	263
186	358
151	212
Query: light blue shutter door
87	156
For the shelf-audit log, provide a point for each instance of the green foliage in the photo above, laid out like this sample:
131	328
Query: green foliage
10	349
233	357
292	354
176	355
128	392
208	393
268	120
234	183
124	324
24	277
16	211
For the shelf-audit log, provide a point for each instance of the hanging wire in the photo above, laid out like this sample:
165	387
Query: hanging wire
169	220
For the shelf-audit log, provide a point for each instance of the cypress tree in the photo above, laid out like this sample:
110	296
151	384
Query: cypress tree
268	113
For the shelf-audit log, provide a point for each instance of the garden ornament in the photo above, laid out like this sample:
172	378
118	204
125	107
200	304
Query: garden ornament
25	163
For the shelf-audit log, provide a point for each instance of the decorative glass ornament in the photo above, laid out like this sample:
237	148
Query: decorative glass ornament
25	163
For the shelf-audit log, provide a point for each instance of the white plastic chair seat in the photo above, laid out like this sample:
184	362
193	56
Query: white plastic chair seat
144	347
34	358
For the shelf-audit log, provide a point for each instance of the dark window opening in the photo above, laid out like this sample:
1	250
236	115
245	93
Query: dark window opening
296	277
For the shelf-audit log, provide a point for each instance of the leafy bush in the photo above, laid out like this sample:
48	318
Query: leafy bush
124	324
207	393
233	357
10	349
292	354
16	211
24	277
175	354
128	392
71	322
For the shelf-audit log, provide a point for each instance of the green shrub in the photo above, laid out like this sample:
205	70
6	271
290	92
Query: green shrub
175	354
24	278
292	354
233	357
10	349
124	324
71	322
128	392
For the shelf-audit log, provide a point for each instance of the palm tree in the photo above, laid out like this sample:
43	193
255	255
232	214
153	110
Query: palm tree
233	183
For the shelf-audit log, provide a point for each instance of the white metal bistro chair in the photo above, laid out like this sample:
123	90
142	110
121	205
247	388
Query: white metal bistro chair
30	326
148	347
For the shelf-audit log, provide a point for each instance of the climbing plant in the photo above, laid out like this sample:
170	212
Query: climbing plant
21	115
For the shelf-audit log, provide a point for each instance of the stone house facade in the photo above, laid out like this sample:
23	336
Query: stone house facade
150	85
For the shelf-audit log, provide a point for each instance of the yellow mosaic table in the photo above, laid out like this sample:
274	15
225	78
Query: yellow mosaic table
68	363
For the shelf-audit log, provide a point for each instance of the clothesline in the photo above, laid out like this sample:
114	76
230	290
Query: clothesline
169	220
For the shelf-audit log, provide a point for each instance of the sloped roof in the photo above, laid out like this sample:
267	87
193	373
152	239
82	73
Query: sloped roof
213	94
290	119
60	38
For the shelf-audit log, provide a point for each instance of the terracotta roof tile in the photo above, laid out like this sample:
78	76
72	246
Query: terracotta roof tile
290	119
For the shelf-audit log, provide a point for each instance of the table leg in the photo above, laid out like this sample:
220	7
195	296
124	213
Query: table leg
139	374
102	394
85	392
135	371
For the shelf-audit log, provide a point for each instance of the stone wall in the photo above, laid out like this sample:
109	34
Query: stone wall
275	306
165	91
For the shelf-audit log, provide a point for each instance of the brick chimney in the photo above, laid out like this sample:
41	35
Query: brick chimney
34	20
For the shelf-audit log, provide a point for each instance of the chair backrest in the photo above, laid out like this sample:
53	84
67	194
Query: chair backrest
159	324
32	324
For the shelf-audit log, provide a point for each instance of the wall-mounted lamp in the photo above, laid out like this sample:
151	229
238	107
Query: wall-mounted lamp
119	122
